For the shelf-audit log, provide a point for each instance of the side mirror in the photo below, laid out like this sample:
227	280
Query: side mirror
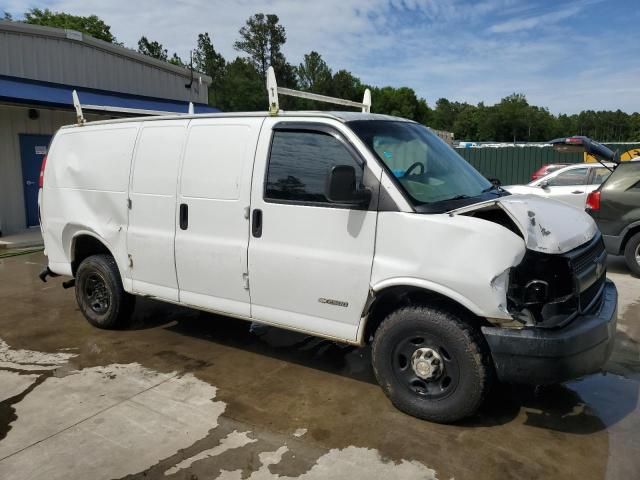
544	184
341	187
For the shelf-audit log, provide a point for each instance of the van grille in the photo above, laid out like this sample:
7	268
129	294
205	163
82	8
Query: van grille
588	256
589	268
588	297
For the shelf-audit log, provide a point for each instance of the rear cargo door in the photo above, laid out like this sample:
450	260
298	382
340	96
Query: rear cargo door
152	194
213	228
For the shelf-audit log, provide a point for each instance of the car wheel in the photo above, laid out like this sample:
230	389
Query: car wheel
431	364
632	254
100	295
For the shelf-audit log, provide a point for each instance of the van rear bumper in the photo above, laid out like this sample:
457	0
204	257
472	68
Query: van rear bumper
538	356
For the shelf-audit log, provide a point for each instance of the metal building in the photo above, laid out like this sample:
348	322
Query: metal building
39	68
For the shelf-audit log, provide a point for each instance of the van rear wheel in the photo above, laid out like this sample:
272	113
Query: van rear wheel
100	294
431	364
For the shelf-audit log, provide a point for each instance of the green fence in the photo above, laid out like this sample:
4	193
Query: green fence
515	164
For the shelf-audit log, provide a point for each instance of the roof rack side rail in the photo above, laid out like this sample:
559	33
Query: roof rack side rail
274	105
107	108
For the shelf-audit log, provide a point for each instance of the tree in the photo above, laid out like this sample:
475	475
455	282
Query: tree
211	63
465	126
445	113
345	85
401	102
314	74
242	88
91	25
511	118
152	49
634	127
176	60
262	39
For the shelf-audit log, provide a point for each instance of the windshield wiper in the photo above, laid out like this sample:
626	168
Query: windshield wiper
457	197
493	187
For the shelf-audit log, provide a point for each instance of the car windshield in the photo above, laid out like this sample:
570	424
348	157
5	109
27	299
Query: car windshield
426	168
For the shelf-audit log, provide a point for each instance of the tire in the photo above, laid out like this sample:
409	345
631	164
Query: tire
632	254
100	295
459	371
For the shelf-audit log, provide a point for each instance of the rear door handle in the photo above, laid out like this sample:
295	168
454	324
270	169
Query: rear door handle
578	191
184	216
256	223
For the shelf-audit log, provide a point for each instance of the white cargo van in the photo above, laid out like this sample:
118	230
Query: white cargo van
356	227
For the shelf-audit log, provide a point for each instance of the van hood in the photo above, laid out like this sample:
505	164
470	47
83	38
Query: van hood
547	226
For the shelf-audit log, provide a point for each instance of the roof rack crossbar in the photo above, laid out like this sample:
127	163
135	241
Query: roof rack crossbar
274	105
107	108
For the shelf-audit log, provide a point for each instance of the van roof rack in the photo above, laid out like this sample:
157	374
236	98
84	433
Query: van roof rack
274	106
106	108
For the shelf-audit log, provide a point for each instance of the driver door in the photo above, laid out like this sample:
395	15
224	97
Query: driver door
309	259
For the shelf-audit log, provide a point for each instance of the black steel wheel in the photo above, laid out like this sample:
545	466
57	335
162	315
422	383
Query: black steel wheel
431	364
96	293
100	294
425	366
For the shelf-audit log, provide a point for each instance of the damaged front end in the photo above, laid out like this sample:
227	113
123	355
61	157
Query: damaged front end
550	290
563	271
563	307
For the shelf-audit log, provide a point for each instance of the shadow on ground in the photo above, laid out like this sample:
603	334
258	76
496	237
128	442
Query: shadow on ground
558	407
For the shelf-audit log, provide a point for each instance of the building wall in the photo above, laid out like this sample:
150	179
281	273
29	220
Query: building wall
13	121
49	55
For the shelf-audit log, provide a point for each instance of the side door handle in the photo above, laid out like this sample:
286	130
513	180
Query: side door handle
184	216
578	191
256	223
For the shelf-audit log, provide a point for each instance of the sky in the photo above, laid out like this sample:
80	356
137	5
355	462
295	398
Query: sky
567	56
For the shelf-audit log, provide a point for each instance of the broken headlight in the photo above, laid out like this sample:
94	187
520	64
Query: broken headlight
541	290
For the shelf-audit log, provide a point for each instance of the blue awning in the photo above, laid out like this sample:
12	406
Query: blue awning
21	90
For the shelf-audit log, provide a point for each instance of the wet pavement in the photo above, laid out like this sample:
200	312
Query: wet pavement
189	395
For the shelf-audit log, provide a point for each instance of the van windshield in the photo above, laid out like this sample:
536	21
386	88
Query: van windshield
430	172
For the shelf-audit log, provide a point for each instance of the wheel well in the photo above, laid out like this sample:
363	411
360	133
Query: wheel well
392	298
627	236
84	246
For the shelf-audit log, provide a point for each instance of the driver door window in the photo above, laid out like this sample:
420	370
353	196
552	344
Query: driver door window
300	163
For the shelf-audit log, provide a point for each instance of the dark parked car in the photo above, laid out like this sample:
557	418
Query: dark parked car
615	207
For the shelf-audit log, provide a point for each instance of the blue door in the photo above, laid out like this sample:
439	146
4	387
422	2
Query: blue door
33	148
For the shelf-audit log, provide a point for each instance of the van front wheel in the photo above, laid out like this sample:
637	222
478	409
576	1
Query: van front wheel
431	364
100	294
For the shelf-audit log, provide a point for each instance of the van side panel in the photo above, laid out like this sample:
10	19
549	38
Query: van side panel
85	191
152	219
215	187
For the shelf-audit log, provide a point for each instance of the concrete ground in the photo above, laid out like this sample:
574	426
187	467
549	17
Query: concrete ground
188	395
31	237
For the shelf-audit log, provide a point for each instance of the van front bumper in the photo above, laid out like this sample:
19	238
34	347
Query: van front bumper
542	356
